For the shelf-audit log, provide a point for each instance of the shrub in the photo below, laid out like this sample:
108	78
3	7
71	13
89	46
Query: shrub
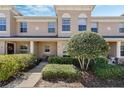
10	65
60	72
8	69
101	60
63	60
109	72
98	62
103	70
87	45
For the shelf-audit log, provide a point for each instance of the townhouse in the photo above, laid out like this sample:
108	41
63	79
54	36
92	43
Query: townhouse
48	35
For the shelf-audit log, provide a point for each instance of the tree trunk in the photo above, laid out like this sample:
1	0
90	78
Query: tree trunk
83	62
80	62
87	64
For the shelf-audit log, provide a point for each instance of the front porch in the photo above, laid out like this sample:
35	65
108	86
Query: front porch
42	48
39	48
116	49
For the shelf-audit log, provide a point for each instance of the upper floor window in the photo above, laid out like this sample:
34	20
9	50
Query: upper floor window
23	27
51	27
94	27
65	24
82	24
2	24
66	21
121	27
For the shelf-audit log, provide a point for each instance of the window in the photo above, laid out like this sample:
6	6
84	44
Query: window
65	53
24	49
121	27
94	27
82	24
47	49
66	24
23	27
51	27
2	24
122	50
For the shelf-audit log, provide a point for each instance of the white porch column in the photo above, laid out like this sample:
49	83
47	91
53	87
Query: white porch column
32	47
118	48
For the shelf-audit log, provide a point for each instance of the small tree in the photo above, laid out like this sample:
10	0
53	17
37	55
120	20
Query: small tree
87	45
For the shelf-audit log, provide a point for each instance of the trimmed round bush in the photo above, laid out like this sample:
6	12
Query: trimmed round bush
60	72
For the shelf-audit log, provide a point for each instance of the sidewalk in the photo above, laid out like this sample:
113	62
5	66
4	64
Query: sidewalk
33	78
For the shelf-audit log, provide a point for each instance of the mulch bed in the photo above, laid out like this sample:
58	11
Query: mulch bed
58	84
89	80
3	83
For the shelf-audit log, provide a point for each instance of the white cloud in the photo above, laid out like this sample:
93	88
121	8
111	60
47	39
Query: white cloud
36	10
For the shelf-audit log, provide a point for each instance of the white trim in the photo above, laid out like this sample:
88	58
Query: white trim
32	47
66	15
3	31
118	49
82	15
65	31
2	15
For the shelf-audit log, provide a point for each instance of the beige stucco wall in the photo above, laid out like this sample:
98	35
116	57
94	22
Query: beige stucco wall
74	21
18	44
41	45
109	28
112	51
36	29
60	47
12	24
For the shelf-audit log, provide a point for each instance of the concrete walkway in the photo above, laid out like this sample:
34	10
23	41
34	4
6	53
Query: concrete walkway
33	78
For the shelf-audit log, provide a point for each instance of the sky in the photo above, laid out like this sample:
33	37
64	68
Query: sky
48	10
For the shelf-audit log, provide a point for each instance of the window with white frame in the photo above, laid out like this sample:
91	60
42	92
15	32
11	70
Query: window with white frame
2	24
94	27
65	54
122	50
24	48
51	27
66	24
47	48
23	27
82	24
121	27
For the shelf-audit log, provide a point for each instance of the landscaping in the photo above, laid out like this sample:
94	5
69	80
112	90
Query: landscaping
13	65
61	72
86	66
63	60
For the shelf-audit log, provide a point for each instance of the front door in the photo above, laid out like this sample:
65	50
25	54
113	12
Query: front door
10	48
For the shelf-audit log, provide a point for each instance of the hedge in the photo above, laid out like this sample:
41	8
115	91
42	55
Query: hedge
10	65
106	71
60	72
63	60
